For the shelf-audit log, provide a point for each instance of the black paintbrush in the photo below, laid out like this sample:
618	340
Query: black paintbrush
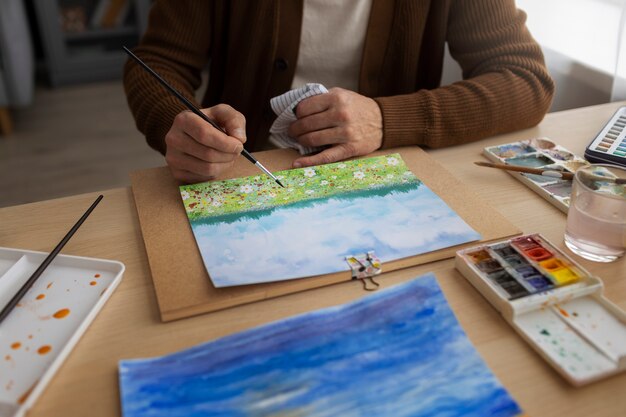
197	111
22	291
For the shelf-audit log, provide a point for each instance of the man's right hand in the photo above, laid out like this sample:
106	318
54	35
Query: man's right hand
198	152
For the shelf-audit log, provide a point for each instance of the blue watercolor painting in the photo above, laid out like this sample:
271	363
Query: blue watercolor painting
399	353
393	214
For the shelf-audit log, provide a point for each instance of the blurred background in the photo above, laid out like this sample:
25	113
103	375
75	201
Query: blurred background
65	127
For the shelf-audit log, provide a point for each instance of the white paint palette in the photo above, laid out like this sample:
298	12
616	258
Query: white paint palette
540	153
553	303
42	329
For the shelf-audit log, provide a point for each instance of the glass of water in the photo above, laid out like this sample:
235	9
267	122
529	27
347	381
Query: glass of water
596	220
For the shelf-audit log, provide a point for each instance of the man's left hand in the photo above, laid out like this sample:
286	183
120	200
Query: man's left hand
350	123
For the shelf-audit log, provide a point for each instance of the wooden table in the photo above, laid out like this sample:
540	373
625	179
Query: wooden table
129	325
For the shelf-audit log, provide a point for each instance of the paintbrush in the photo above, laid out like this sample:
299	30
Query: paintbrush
197	112
29	283
550	172
537	171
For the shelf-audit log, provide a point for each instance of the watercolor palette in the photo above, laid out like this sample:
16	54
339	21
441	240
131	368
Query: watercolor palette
553	303
609	145
540	153
43	328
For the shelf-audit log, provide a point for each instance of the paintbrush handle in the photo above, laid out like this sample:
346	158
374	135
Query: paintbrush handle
528	170
29	283
197	111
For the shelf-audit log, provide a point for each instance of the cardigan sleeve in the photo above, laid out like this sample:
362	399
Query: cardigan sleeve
176	45
505	84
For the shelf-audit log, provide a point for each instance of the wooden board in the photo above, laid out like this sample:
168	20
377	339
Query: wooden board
182	285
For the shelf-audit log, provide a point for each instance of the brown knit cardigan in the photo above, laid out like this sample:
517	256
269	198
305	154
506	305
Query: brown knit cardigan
251	48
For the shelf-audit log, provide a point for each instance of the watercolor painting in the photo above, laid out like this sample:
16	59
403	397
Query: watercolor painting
250	230
399	352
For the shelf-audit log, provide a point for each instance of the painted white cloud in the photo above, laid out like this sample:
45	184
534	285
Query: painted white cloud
300	242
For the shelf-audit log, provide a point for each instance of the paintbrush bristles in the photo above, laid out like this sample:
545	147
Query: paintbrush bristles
527	170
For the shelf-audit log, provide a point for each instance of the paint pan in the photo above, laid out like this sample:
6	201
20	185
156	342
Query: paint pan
512	150
560	155
540	153
555	304
530	161
561	189
542	143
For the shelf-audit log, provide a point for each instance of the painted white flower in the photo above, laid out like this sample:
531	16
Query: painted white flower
280	177
246	189
185	195
334	177
216	203
359	175
407	174
341	186
302	184
309	192
392	161
324	182
342	166
309	172
389	176
272	195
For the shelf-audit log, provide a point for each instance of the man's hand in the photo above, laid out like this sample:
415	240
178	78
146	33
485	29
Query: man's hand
350	123
198	152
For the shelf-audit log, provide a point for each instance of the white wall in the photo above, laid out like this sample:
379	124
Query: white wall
579	39
580	42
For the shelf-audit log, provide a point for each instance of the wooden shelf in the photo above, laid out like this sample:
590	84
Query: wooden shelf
94	54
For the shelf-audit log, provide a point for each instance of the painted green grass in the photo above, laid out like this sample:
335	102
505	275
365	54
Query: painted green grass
260	193
256	214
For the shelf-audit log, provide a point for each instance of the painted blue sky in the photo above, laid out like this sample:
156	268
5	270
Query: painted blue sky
398	353
313	238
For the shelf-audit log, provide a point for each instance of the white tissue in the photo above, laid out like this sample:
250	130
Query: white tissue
284	106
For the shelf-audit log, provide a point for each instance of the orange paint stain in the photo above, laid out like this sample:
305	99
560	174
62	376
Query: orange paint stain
49	285
563	311
41	296
30	336
24	396
16	345
92	283
7	358
64	312
44	349
18	305
97	275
